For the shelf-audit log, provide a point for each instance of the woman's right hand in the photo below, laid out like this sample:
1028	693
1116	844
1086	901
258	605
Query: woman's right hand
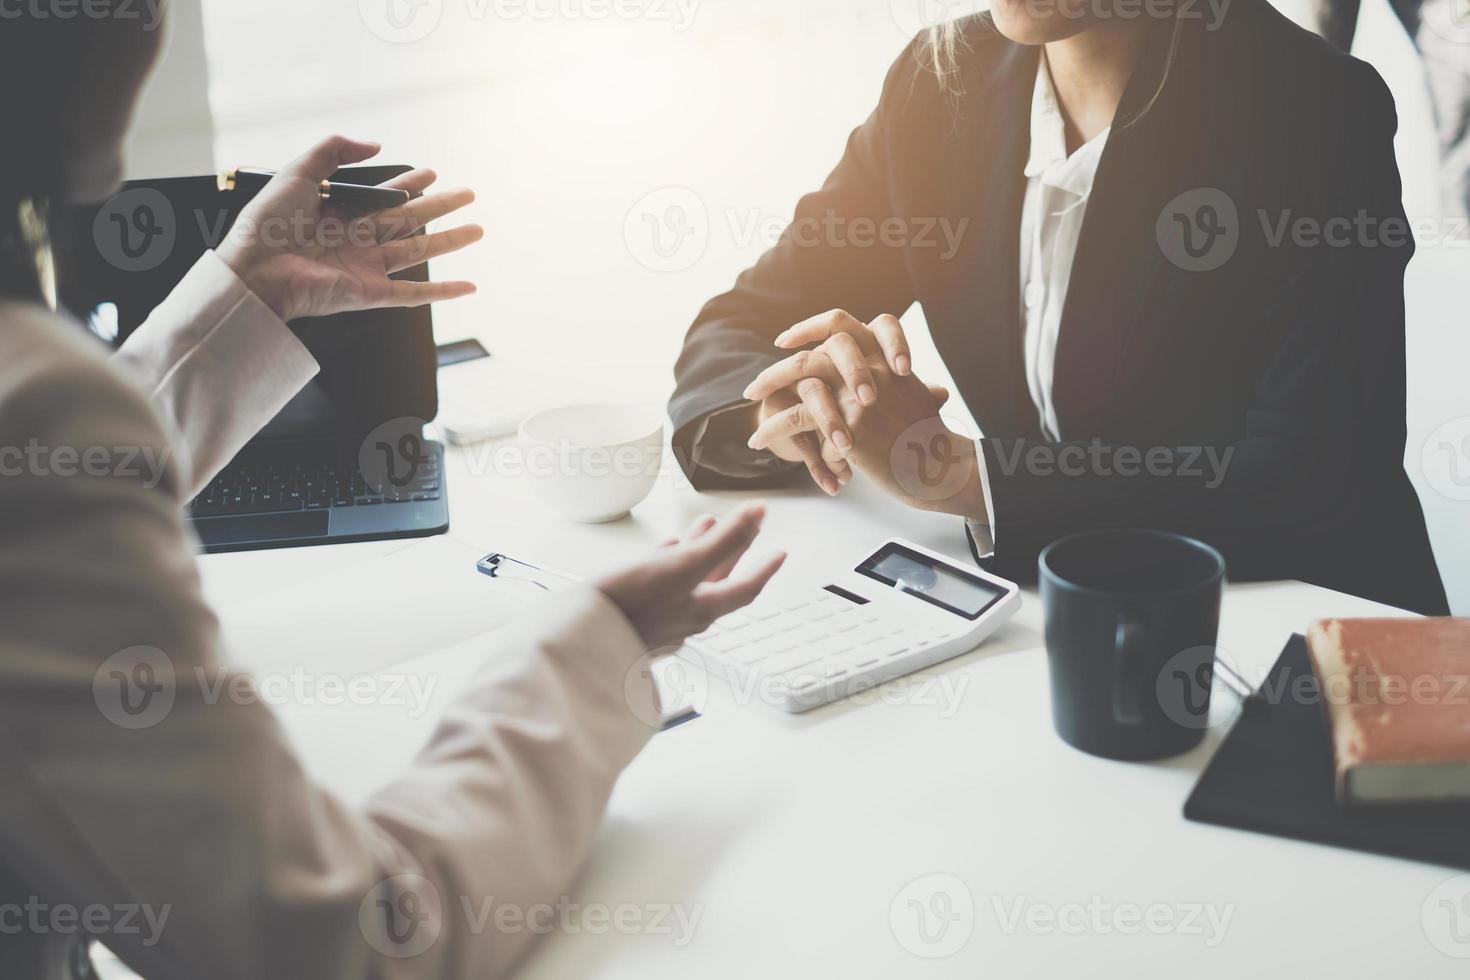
303	257
685	586
802	418
809	408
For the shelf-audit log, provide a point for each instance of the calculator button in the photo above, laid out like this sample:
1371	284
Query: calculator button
734	621
813	614
755	632
783	662
778	644
724	644
834	645
811	633
886	648
763	613
749	655
861	657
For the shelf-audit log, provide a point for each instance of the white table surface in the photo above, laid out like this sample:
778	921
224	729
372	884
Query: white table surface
792	839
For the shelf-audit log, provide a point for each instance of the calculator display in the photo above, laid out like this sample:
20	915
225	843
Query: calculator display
938	584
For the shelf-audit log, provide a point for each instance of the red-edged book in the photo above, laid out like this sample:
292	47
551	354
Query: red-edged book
1397	698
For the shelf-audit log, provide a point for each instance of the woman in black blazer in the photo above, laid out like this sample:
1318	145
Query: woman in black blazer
1227	360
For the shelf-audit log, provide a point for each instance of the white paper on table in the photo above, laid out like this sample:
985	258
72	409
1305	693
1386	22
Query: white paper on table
373	614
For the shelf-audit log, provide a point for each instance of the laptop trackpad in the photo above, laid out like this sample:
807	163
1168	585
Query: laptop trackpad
214	531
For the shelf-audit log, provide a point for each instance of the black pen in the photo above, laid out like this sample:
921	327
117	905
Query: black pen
357	197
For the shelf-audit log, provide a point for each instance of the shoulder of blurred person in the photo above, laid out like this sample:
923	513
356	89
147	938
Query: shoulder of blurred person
66	410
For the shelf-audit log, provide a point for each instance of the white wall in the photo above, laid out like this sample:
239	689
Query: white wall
174	134
1438	305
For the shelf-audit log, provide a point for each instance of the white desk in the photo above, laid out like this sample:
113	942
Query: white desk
792	837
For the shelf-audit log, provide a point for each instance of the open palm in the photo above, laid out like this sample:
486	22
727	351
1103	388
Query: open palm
305	257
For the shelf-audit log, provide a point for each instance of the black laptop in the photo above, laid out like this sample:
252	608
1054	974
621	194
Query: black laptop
346	460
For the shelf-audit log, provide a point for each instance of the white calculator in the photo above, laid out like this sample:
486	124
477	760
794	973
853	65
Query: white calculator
900	609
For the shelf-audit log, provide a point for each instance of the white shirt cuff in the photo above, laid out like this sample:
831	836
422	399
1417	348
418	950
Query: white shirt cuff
217	362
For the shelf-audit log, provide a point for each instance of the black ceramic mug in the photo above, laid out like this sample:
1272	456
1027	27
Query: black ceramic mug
1132	619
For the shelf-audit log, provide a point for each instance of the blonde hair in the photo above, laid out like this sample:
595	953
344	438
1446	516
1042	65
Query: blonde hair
942	50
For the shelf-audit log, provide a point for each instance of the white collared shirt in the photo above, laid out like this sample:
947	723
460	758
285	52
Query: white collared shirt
1057	190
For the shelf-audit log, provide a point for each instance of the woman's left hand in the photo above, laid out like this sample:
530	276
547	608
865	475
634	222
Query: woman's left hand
898	438
304	257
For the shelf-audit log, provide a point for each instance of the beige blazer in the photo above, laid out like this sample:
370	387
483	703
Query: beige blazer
188	838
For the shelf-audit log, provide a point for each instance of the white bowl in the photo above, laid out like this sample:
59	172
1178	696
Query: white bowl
593	463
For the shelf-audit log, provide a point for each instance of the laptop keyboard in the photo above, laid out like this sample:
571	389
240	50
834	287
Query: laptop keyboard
276	485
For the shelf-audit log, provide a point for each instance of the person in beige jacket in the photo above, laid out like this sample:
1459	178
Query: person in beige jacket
193	844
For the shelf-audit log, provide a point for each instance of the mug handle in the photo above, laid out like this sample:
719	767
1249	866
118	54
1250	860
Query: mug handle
1128	651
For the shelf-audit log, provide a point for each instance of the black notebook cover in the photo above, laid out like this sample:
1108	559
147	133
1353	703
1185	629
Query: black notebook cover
1274	775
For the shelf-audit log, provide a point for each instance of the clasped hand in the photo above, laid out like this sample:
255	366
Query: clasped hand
852	403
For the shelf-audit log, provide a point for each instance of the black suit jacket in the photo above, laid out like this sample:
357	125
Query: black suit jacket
1288	357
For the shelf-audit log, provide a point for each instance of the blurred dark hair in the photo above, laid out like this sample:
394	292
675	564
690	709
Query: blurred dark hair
47	65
